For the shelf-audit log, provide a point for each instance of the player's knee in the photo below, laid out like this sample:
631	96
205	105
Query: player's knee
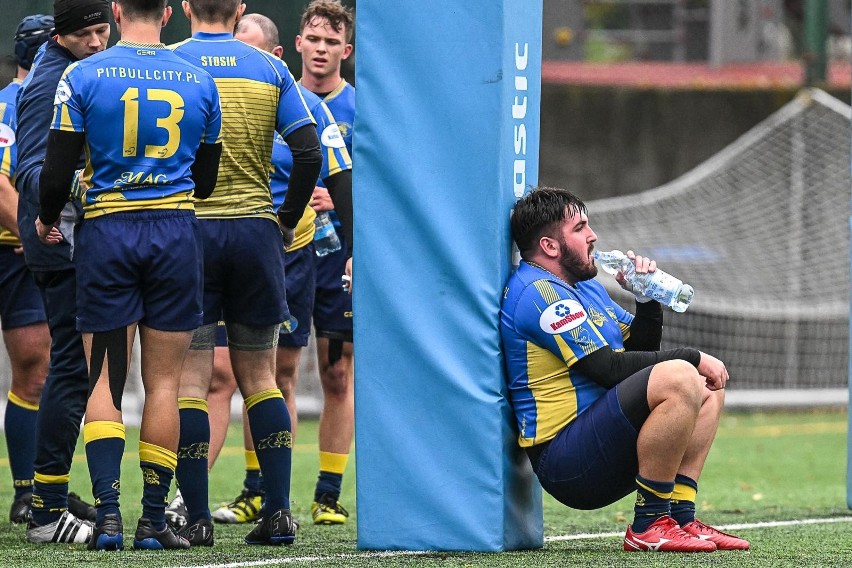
285	378
29	374
679	379
222	382
336	381
714	399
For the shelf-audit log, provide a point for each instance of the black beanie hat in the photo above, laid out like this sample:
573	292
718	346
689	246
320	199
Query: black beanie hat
73	15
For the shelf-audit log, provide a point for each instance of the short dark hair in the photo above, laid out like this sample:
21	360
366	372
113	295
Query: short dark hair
338	16
144	9
214	11
539	214
267	26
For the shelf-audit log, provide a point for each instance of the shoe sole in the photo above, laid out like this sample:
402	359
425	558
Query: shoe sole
153	544
274	541
109	542
630	546
329	522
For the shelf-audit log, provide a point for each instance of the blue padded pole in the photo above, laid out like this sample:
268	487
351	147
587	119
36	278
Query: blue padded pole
446	138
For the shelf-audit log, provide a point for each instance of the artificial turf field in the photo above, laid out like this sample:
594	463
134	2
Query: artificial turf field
779	476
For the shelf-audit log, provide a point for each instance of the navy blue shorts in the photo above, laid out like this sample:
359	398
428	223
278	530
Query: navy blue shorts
300	267
332	304
592	462
20	299
243	272
140	266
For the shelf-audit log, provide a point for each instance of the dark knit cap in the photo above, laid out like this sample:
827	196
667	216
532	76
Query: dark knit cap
73	15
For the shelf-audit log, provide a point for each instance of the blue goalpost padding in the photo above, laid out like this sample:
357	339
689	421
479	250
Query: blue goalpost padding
446	139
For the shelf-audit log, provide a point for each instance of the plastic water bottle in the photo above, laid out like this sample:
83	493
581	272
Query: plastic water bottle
658	285
326	240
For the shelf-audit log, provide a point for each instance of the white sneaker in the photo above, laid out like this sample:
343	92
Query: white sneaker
176	513
68	529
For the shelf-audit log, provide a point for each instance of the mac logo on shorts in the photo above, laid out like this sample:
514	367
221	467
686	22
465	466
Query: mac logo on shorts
561	316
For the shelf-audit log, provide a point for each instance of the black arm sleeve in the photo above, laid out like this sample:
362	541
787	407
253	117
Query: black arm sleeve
340	189
608	368
646	330
60	162
307	163
205	169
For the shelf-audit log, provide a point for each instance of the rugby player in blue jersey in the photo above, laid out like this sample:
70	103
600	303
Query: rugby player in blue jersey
244	257
22	316
138	255
82	29
601	410
300	261
324	41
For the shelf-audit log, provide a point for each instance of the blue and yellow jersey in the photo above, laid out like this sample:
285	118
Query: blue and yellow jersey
335	159
259	97
546	326
8	148
144	112
341	103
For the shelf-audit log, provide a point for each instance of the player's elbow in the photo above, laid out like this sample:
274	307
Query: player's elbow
205	170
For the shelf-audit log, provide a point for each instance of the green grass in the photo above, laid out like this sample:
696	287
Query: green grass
764	467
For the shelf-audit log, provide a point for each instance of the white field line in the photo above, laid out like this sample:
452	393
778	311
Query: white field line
584	536
737	527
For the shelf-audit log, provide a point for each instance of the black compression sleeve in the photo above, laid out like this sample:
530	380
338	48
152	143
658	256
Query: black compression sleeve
307	163
60	162
340	189
608	368
646	330
205	169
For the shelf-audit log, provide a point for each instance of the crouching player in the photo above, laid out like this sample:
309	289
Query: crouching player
602	412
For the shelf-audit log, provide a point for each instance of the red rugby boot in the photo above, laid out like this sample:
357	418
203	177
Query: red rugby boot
723	541
665	535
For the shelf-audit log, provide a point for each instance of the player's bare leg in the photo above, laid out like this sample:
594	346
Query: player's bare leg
222	388
336	428
286	377
269	421
29	354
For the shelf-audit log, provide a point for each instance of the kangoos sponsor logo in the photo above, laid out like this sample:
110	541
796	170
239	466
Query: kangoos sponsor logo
562	316
7	135
519	115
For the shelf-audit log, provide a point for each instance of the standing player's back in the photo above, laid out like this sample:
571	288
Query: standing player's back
259	97
143	160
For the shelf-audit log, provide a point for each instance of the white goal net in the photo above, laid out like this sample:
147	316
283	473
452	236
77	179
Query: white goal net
761	231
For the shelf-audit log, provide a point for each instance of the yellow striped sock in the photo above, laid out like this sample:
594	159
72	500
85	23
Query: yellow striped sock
683	492
251	461
100	429
261	396
18	401
333	463
189	402
158	455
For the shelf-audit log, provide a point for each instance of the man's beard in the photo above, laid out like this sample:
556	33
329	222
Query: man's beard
579	267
